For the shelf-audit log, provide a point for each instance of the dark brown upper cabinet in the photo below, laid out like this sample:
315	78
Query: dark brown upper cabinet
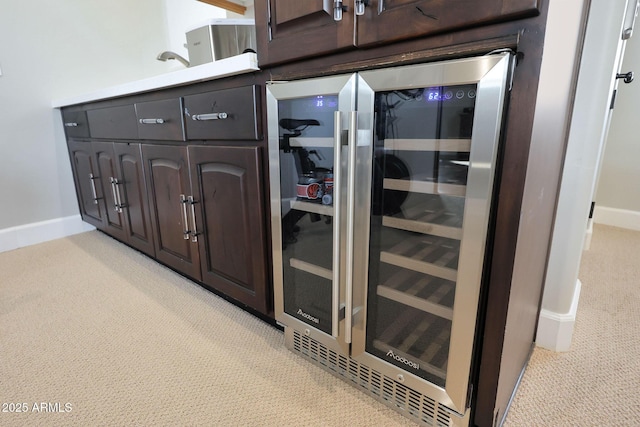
290	29
293	29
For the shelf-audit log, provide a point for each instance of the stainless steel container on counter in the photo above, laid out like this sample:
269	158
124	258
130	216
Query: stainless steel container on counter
220	38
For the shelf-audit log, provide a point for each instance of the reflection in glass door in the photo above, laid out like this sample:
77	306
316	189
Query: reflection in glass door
423	139
306	188
306	167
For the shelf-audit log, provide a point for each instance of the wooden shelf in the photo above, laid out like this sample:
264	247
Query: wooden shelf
316	208
422	227
311	268
424	186
435	257
450	145
312	142
425	342
426	293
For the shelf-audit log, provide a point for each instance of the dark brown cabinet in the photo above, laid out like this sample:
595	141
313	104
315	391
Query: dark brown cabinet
113	122
132	197
229	214
283	24
75	123
227	114
85	175
291	29
110	187
160	120
208	218
198	208
169	187
111	190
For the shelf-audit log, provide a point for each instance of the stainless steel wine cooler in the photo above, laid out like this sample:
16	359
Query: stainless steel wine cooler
381	189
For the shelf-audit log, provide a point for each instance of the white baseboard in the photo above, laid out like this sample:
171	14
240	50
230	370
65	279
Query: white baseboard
555	330
38	232
617	217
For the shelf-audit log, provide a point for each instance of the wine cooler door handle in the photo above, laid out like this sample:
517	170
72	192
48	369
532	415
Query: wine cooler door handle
351	184
337	217
185	219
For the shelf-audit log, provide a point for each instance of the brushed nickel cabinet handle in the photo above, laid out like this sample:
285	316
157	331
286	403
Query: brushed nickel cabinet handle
185	220
93	188
119	204
152	121
194	232
210	116
71	124
116	205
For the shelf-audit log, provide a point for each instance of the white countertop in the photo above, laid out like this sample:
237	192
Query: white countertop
239	64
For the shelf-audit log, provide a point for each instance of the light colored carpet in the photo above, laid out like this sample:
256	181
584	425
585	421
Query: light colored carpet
87	321
595	383
124	341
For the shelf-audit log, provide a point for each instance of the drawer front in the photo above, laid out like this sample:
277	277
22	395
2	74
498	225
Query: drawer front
160	120
113	122
223	114
75	124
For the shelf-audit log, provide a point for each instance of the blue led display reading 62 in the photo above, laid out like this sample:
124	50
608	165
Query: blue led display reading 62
434	95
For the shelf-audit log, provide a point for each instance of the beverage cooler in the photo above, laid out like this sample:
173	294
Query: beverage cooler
381	194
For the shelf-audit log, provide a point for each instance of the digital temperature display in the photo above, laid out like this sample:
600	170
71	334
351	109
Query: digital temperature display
434	95
438	94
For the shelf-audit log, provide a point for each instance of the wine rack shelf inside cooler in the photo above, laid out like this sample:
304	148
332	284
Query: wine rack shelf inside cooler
429	214
426	293
311	268
311	207
310	249
426	340
450	145
424	184
312	142
425	254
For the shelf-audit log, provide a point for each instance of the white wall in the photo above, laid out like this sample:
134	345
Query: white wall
184	15
600	60
53	50
619	184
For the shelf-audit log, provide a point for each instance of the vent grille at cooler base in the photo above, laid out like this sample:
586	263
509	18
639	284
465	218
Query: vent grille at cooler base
405	400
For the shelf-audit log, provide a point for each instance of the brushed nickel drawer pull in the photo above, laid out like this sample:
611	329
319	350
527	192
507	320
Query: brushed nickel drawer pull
115	196
71	124
211	116
152	121
186	231
93	188
194	233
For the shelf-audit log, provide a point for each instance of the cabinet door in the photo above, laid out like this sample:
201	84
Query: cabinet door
389	20
167	175
229	199
297	29
106	165
133	197
85	175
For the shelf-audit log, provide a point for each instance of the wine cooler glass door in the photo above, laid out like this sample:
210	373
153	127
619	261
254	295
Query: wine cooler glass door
307	141
435	146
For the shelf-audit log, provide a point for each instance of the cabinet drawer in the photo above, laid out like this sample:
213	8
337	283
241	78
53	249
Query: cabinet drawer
223	114
160	119
113	122
75	124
